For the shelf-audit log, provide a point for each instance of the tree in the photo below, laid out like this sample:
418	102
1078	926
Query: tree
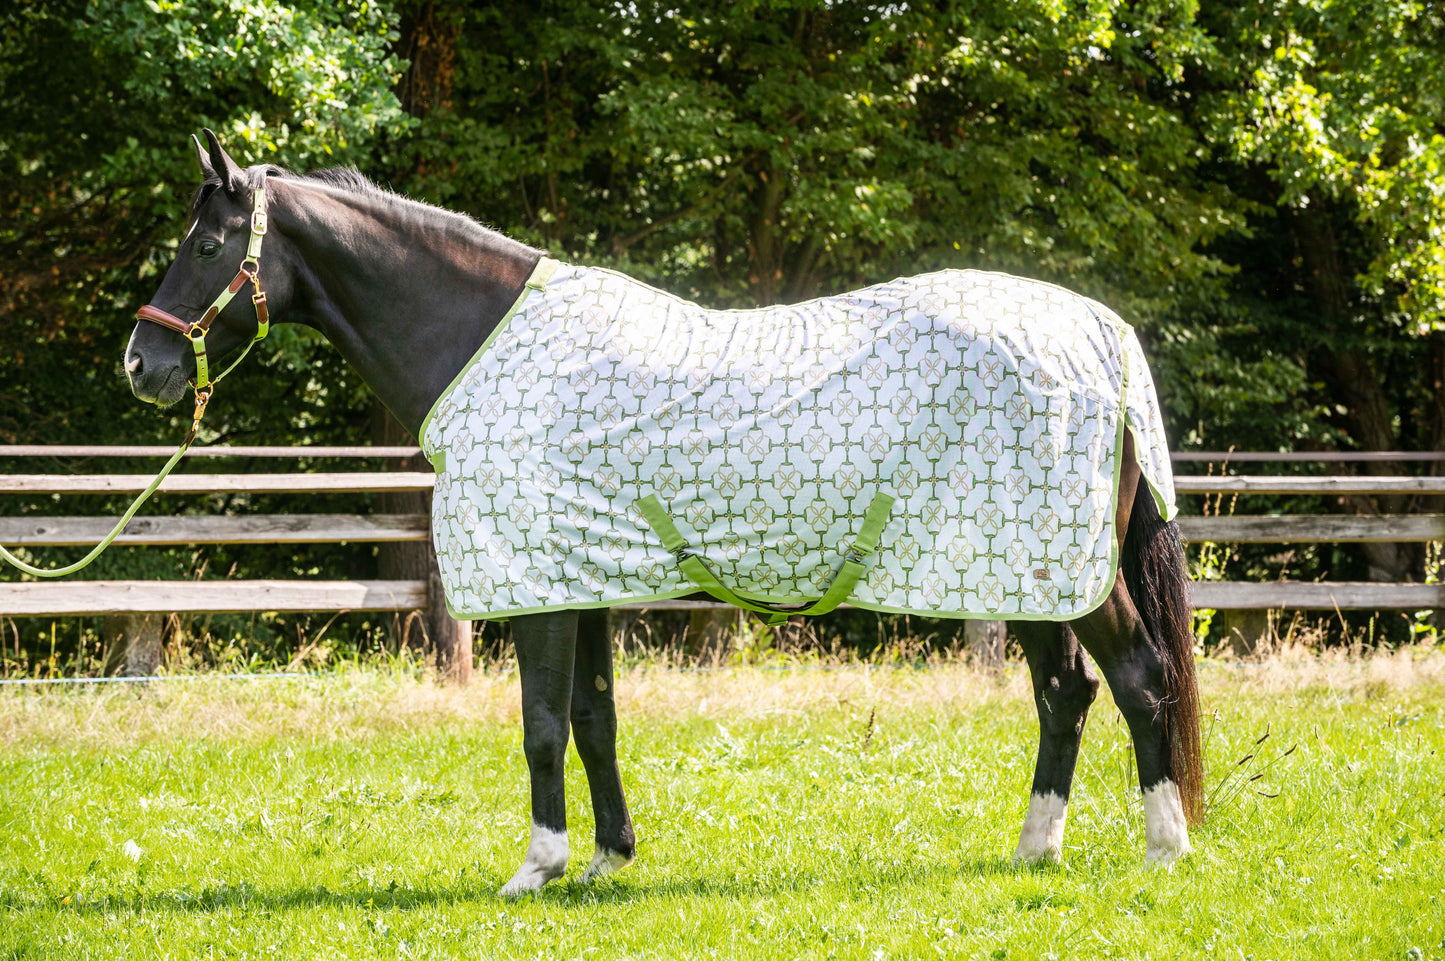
746	153
97	100
1328	120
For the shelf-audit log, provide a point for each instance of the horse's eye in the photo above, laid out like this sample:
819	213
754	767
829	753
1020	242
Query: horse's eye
207	248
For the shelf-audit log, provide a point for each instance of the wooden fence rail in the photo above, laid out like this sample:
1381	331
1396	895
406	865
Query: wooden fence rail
360	482
223	529
369	451
76	598
350	482
372	528
73	598
127	598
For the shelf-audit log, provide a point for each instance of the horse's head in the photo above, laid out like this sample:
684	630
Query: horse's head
190	324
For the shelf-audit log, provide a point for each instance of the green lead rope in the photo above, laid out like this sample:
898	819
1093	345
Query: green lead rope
202	397
114	533
204	382
838	590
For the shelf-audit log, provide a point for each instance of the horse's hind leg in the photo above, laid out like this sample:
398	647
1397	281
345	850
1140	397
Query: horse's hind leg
594	730
1116	638
1142	639
545	646
1064	687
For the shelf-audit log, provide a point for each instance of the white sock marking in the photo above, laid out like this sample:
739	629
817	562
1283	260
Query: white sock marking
604	862
546	859
1042	838
1166	836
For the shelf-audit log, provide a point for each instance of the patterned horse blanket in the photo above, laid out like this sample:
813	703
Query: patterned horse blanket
989	407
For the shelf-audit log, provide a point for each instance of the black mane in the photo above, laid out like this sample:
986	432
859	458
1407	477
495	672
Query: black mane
343	178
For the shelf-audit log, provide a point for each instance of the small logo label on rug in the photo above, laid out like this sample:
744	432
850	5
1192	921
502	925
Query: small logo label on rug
1041	574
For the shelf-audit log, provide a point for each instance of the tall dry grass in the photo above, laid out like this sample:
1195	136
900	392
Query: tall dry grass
361	702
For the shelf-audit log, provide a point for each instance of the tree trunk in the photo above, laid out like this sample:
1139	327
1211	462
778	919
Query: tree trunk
711	632
448	640
1436	438
1353	379
1245	633
767	244
429	46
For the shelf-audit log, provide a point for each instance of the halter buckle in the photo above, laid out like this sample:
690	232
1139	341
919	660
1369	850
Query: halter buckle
251	267
258	222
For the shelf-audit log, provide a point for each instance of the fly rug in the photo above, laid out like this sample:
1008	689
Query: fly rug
964	428
961	444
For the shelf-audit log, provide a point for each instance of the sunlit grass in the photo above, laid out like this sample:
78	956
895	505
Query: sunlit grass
857	812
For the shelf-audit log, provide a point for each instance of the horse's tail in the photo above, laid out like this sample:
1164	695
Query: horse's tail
1158	582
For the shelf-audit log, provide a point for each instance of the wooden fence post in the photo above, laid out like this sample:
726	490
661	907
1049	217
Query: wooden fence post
984	642
712	632
132	644
1245	633
450	639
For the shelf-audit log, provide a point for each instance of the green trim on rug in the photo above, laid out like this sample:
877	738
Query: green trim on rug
1167	511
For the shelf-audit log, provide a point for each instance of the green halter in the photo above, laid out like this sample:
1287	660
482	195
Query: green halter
202	385
196	332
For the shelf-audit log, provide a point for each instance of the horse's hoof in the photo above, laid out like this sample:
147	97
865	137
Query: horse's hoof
1029	856
605	862
1164	856
528	880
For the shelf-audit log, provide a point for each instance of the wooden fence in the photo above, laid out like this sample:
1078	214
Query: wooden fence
144	599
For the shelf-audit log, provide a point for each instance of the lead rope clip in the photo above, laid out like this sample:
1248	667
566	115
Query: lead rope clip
203	397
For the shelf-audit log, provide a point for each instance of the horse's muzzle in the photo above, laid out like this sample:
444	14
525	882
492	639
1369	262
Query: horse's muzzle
160	386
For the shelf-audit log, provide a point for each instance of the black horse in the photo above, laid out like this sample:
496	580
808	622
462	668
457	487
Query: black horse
408	293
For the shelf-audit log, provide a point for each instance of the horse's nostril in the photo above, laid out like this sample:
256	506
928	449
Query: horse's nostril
133	364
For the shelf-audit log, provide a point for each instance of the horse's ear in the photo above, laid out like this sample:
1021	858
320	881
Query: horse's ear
207	171
232	178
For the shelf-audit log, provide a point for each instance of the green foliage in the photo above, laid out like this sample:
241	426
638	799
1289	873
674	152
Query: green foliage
1325	118
745	153
97	100
1339	100
1259	187
96	174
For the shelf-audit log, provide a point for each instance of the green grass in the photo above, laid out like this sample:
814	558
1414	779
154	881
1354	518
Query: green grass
852	813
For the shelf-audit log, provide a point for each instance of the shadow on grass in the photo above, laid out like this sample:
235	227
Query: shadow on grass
565	893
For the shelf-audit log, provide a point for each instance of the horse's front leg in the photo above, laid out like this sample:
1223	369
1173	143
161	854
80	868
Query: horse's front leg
1064	687
594	730
546	648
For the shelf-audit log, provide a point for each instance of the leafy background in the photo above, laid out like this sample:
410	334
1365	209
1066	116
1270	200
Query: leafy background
1258	187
